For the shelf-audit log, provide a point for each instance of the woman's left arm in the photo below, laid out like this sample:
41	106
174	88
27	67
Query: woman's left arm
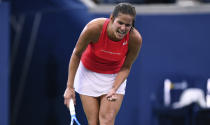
134	46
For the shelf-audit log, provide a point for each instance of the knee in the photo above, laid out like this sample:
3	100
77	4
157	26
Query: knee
93	121
107	118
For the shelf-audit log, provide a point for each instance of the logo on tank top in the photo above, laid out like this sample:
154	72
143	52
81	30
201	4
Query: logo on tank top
124	43
110	52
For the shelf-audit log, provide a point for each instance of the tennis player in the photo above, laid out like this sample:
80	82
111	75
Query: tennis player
101	62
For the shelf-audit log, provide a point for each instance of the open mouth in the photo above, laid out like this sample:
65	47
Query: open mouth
121	33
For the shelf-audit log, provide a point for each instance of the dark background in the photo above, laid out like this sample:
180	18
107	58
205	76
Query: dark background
175	46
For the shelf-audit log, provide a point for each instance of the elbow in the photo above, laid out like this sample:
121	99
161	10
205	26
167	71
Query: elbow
126	69
77	54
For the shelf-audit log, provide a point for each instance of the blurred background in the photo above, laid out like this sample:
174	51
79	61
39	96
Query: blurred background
37	38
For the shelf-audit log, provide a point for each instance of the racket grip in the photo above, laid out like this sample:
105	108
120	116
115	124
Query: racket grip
71	107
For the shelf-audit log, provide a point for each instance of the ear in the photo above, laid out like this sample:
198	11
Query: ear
111	18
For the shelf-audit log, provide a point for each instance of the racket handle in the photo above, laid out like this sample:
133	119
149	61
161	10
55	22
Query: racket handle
71	107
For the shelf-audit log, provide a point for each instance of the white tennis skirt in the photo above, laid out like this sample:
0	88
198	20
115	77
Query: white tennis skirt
94	84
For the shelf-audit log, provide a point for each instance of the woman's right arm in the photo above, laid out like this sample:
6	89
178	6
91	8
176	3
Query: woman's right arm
87	36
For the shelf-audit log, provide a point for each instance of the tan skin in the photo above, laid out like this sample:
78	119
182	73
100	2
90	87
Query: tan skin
103	110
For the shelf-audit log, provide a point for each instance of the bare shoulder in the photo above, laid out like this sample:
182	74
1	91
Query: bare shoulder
135	39
96	25
97	21
94	28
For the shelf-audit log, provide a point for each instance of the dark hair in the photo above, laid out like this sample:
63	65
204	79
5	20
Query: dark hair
125	8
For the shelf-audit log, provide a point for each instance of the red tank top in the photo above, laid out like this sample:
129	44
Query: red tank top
105	56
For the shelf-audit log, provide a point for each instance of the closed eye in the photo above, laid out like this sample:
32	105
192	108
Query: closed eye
127	25
121	23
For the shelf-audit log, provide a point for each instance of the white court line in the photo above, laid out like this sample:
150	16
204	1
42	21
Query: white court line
175	8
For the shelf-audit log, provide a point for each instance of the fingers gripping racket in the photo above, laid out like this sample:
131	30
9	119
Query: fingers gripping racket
73	113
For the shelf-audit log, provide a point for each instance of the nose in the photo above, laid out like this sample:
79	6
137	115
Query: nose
122	27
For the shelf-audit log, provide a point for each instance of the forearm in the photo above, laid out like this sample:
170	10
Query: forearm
73	66
120	78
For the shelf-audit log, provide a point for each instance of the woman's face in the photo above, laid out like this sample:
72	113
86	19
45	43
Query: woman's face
121	25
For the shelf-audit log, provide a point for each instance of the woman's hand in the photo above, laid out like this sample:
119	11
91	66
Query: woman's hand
111	96
69	94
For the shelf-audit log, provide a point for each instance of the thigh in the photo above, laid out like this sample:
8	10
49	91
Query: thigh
109	109
91	108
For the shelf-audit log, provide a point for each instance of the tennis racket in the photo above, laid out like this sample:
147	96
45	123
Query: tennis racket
73	113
